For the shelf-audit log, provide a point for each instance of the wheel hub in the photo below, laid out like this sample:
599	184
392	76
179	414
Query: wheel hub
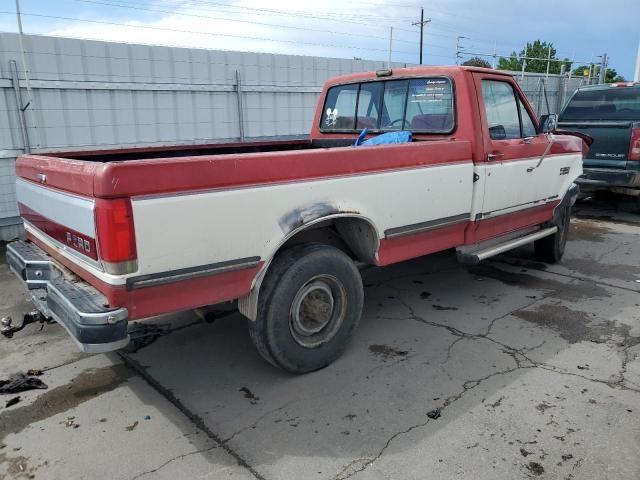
317	311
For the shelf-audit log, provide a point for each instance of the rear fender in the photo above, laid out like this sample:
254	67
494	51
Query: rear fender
364	243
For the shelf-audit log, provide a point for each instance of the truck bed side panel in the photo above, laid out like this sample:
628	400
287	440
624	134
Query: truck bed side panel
206	228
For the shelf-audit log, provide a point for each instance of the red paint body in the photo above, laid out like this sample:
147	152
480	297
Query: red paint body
296	161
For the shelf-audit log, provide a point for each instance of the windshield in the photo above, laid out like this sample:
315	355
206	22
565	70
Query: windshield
614	103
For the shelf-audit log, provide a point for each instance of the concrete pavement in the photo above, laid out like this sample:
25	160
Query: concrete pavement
511	369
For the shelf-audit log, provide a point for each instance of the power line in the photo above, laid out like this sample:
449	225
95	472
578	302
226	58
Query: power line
293	27
226	35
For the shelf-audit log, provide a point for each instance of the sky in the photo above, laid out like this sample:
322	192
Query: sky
580	30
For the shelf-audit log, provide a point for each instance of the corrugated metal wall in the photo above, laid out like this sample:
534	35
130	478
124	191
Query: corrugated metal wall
89	94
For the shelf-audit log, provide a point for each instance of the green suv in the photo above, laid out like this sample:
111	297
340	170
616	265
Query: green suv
610	114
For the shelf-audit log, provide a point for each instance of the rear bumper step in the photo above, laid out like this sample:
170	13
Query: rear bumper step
601	178
74	304
475	256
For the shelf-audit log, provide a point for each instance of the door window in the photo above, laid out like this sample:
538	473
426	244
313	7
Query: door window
528	127
502	110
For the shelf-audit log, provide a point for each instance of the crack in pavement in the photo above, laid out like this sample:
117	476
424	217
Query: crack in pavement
566	275
194	418
520	357
179	457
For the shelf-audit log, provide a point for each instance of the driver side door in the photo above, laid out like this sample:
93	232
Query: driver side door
512	148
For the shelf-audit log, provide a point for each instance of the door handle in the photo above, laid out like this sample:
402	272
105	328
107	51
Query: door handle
492	156
527	140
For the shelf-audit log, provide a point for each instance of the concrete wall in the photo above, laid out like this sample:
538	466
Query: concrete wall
89	94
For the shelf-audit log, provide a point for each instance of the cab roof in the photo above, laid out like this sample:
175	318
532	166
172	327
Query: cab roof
606	86
412	72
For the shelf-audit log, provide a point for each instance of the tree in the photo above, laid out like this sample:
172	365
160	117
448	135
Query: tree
537	49
610	77
477	62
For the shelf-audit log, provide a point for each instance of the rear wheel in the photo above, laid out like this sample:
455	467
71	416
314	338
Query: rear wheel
308	307
550	249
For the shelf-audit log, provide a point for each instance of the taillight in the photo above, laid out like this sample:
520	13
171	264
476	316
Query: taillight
634	146
116	235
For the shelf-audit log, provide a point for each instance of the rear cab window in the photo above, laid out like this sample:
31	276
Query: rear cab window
612	103
422	105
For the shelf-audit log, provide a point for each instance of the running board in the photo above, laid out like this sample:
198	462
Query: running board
472	257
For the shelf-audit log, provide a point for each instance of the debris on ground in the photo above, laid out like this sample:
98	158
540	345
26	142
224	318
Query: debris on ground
434	414
132	427
34	372
12	401
248	394
535	468
147	417
70	422
583	367
144	334
387	352
20	382
524	453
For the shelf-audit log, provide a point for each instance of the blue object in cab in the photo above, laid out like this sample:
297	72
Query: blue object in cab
384	139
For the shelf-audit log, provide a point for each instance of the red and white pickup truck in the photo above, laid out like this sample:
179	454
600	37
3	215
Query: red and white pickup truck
282	227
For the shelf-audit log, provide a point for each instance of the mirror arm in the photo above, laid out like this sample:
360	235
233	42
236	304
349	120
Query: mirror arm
552	140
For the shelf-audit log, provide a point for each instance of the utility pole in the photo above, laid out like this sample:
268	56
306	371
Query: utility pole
636	76
459	49
495	46
422	23
524	63
24	60
603	68
390	47
548	61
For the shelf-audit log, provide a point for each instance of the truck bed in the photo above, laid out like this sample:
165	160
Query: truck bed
174	151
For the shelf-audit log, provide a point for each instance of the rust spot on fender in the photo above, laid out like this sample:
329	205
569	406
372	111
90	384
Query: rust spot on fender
301	216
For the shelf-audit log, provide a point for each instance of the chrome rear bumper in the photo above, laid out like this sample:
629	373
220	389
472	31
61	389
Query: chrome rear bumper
71	302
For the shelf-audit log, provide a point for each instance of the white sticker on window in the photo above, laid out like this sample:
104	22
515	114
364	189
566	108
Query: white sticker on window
331	118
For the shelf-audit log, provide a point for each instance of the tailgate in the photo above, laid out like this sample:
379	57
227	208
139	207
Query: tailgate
610	146
56	198
66	218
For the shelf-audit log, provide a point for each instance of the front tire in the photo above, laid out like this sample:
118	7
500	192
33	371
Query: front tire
550	249
308	307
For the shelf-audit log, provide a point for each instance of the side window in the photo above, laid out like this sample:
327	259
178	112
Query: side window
369	105
528	127
393	104
340	108
502	110
430	105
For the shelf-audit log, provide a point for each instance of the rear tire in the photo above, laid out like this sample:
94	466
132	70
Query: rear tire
550	249
309	305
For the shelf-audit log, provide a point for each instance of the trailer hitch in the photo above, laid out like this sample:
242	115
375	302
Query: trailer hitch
7	328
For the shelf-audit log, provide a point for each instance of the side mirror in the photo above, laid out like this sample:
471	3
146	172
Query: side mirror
497	132
548	123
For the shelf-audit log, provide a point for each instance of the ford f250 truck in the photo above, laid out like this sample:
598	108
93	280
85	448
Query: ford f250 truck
282	227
